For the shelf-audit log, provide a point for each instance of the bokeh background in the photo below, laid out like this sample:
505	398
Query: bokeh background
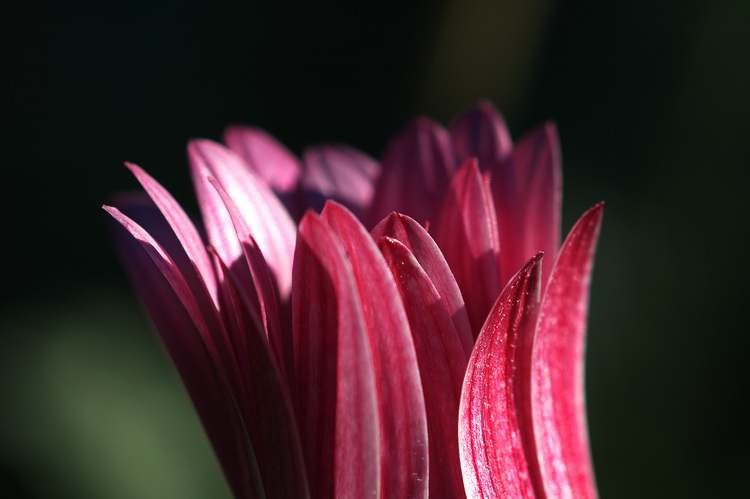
652	104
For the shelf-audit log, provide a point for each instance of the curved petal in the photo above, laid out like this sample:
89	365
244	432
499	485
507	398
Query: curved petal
341	173
403	422
182	226
337	405
441	364
538	172
272	227
417	167
419	242
557	390
187	345
492	451
467	235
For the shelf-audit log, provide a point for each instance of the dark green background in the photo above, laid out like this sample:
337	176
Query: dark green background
651	99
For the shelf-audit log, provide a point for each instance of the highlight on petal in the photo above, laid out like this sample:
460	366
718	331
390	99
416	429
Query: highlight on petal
419	242
416	170
442	362
467	234
337	406
493	458
273	162
557	390
272	227
340	173
401	409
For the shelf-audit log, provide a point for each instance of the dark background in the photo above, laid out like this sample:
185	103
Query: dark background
651	99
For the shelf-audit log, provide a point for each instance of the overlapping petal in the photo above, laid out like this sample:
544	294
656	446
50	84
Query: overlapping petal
327	361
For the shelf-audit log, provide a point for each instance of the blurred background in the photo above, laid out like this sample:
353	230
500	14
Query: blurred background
652	104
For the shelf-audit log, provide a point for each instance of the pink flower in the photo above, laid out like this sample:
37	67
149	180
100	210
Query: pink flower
328	361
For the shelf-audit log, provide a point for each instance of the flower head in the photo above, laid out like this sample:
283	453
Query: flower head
350	328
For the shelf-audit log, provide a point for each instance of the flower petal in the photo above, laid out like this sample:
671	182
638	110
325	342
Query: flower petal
467	235
337	406
273	162
492	451
272	227
403	422
426	251
558	403
341	173
481	133
182	226
538	173
199	369
442	362
417	167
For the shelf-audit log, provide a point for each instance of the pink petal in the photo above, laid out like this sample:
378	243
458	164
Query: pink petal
273	162
258	292
467	235
182	226
538	172
403	423
340	173
264	402
492	451
417	167
442	362
272	227
426	251
200	369
481	133
337	406
558	403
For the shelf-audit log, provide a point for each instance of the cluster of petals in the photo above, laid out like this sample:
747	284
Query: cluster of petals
353	328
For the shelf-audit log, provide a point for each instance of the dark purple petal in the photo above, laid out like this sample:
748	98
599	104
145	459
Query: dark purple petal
337	406
442	362
426	251
416	169
403	422
492	451
481	133
272	227
342	174
467	235
558	401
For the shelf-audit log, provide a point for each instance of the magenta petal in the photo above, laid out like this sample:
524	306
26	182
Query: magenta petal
403	422
264	403
337	406
198	368
258	292
558	402
272	227
416	169
426	251
481	133
538	173
275	164
468	236
492	451
341	173
441	364
183	227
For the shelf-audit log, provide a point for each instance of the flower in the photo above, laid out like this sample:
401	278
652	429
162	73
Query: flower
409	360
